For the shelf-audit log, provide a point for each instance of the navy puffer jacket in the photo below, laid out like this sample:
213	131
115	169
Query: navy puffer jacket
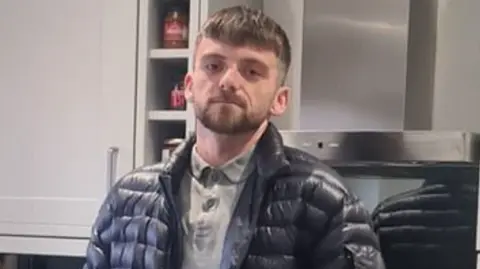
296	214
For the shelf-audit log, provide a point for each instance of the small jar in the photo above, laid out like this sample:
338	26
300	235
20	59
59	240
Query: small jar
175	27
169	146
177	97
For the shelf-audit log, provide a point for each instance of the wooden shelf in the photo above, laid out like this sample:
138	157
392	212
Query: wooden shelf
169	53
167	115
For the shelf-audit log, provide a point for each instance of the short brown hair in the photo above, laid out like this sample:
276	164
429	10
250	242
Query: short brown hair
244	26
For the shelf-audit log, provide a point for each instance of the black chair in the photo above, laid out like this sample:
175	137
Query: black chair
432	227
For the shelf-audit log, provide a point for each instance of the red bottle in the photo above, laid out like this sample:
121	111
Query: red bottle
175	26
177	98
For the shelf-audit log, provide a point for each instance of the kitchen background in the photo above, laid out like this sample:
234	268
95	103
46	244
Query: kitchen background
90	89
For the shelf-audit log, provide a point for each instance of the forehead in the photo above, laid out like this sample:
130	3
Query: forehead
208	46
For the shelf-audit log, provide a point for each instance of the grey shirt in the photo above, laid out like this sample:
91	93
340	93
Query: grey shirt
208	199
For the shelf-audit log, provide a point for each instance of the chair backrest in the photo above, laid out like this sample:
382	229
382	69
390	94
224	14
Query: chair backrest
429	227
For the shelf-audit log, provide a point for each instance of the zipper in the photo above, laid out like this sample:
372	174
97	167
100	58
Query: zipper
175	237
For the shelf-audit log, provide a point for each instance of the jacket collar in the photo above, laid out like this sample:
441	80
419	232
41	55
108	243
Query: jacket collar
269	154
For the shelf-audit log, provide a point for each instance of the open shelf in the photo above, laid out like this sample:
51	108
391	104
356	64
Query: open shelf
167	115
169	53
158	133
164	75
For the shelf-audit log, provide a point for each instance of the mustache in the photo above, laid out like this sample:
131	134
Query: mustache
228	98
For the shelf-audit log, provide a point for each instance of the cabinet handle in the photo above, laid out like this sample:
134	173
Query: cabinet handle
112	156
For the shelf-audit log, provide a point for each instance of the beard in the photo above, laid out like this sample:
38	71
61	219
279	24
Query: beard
228	118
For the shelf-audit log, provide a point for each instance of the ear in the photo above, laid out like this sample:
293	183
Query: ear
280	101
187	82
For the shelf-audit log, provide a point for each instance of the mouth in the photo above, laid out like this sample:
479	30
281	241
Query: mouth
226	103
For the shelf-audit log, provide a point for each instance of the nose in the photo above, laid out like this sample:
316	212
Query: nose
230	80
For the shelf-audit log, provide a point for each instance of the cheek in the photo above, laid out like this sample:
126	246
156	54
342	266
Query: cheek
201	91
262	96
201	85
257	102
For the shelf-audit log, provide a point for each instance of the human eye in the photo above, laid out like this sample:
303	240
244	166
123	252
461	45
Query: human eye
253	69
252	73
213	66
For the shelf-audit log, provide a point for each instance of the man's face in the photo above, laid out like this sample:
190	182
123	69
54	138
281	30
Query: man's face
234	89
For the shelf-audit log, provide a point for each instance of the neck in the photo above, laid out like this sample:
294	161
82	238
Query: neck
218	149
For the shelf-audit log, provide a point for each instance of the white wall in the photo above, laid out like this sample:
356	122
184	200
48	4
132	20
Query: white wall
457	76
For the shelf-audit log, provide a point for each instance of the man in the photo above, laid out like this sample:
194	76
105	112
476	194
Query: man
232	196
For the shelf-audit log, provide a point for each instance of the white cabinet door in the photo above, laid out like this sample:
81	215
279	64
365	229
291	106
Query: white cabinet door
67	71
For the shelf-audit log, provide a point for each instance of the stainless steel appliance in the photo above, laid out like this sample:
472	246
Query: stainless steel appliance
407	149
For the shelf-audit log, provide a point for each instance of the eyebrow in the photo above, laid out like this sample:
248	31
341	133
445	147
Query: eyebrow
255	61
249	60
213	55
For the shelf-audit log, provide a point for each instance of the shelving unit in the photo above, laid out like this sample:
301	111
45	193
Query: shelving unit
159	70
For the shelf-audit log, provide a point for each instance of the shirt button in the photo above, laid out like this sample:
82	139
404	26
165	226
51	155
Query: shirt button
216	176
210	204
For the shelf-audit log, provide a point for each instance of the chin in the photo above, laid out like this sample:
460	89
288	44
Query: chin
225	110
230	126
225	106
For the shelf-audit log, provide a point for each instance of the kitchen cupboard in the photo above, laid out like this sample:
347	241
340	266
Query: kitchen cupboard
67	89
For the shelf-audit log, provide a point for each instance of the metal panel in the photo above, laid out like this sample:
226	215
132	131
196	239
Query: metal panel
354	64
404	148
390	155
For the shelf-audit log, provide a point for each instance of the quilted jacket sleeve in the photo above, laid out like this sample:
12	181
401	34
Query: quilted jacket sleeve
347	239
98	248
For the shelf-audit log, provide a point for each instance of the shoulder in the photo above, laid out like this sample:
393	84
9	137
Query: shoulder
143	178
328	202
133	194
135	204
314	174
338	226
321	186
135	188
